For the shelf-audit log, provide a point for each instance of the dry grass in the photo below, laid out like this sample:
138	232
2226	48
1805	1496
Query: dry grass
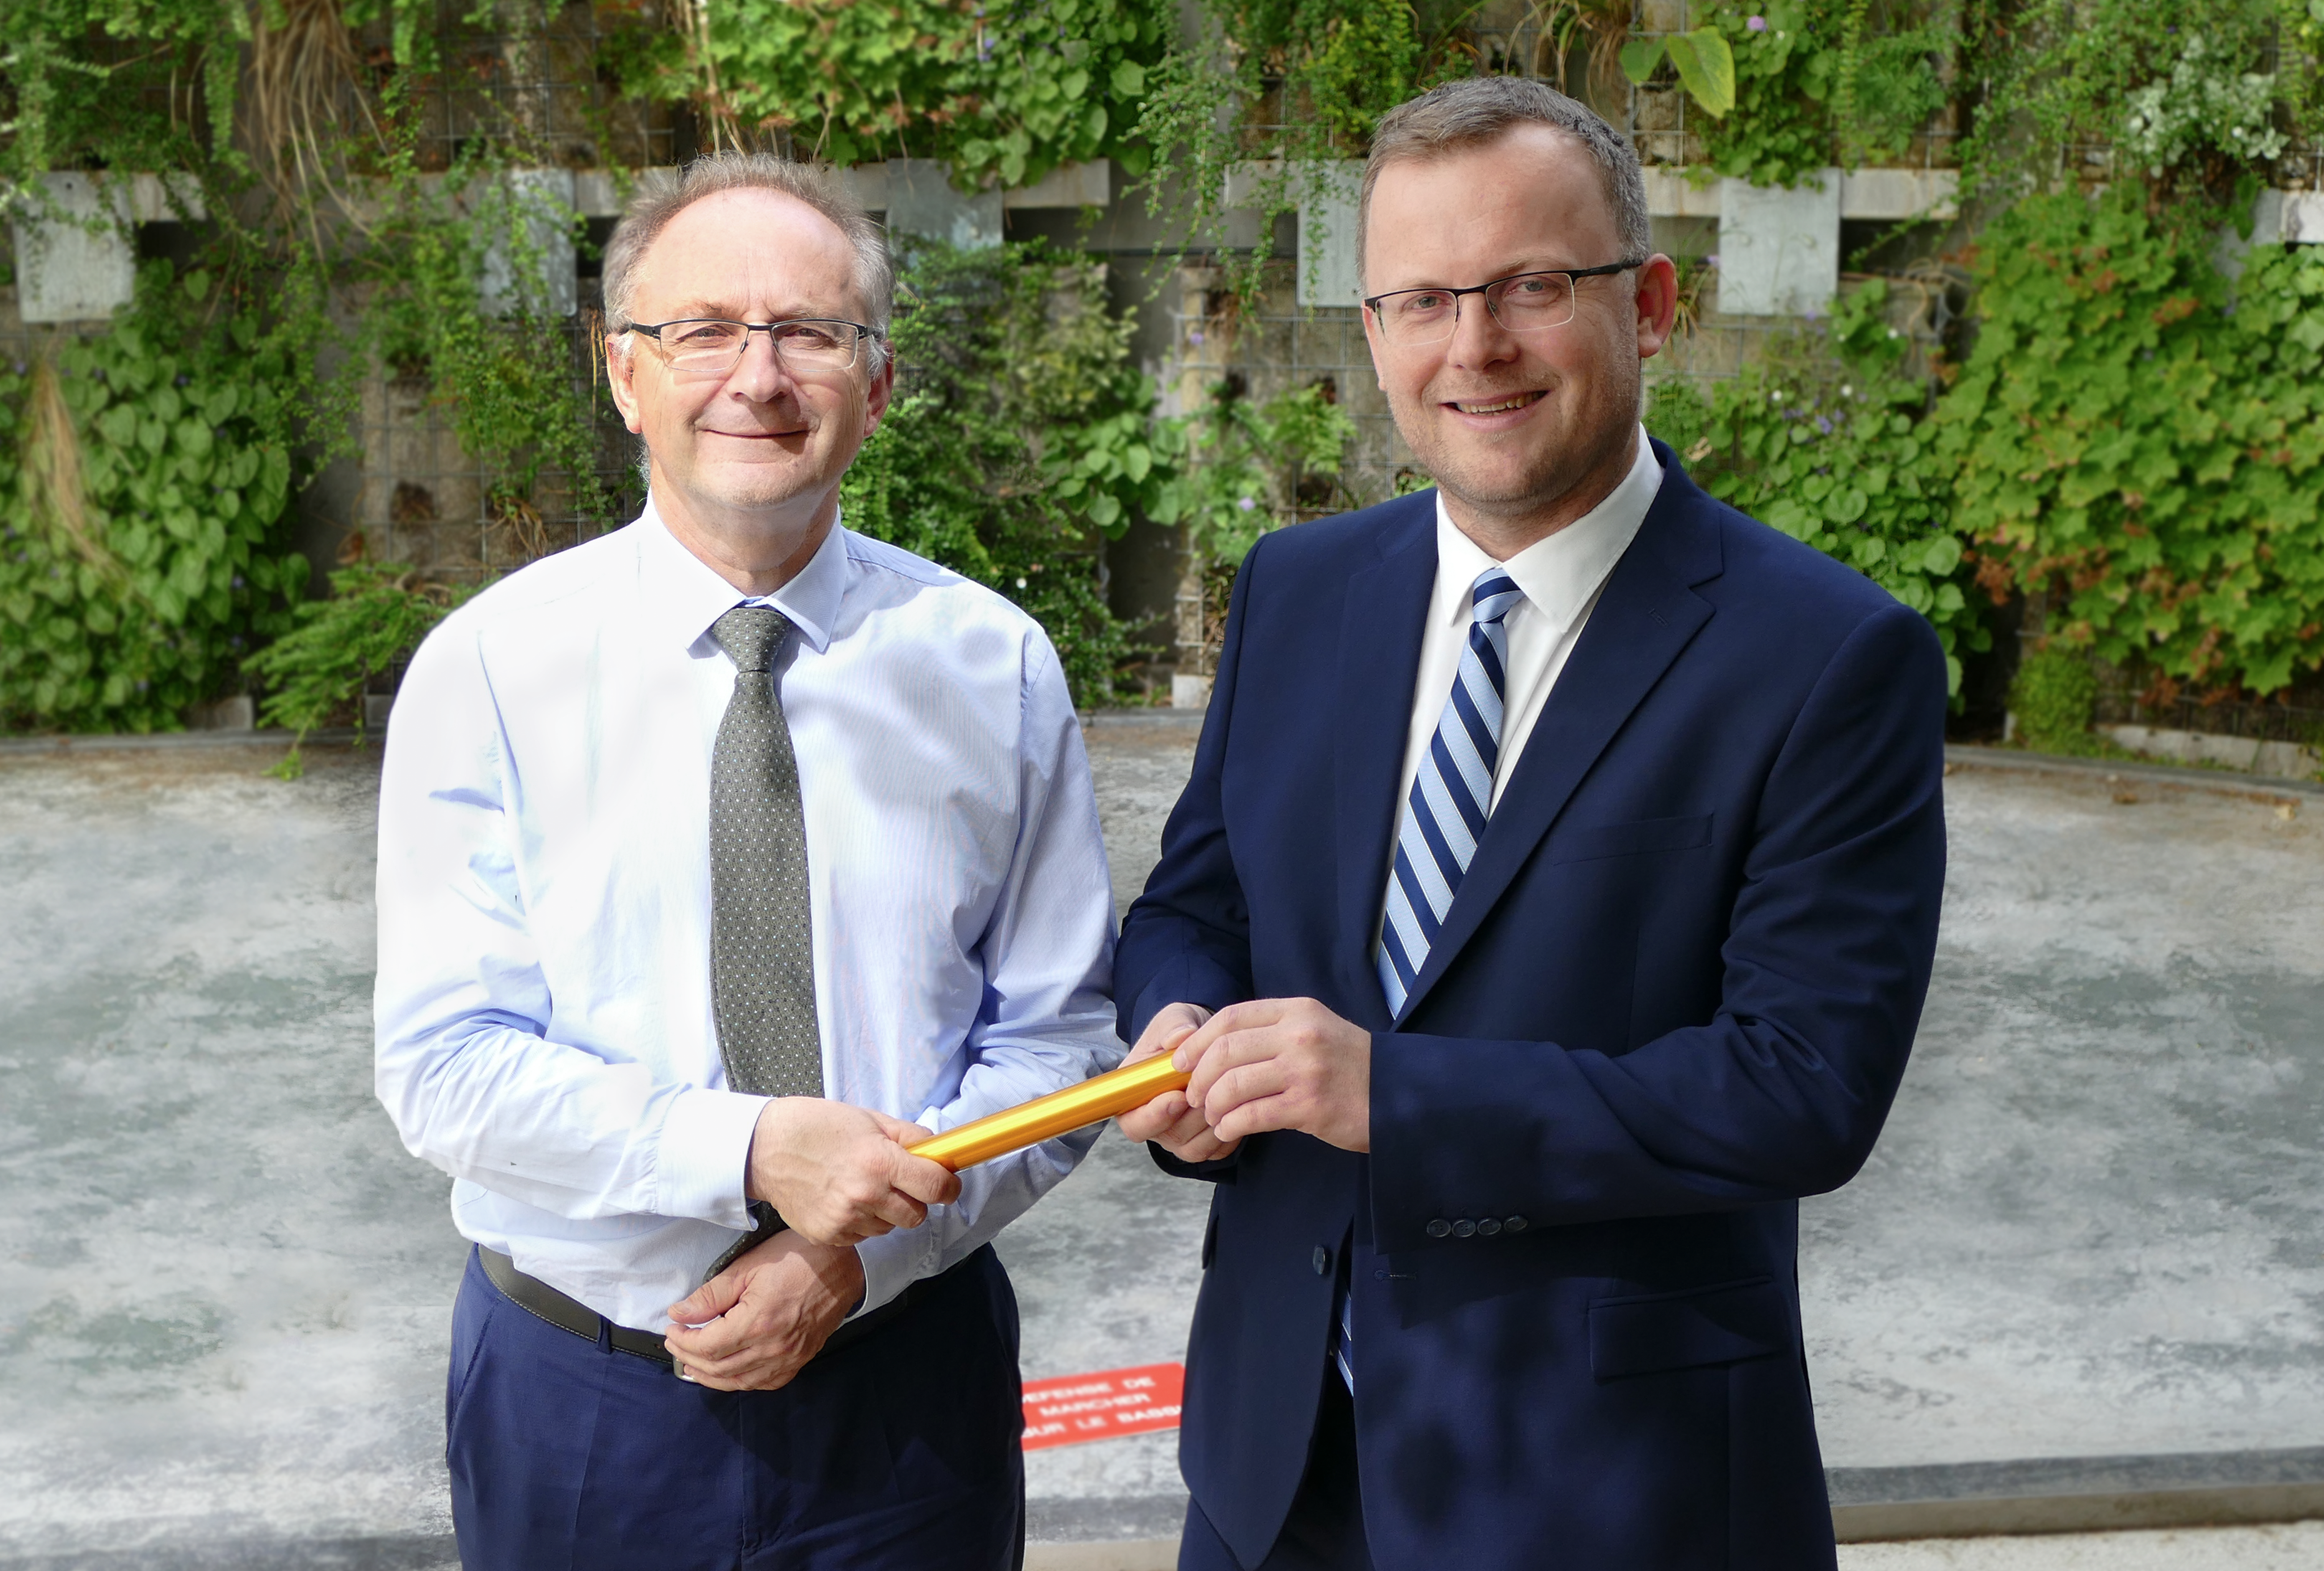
303	99
52	467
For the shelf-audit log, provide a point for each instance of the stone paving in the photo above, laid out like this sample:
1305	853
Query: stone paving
2092	1230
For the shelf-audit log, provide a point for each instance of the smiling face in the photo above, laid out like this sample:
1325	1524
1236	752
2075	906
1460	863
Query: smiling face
1523	432
754	454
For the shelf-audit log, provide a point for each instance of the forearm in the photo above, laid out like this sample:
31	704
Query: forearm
992	1194
562	1130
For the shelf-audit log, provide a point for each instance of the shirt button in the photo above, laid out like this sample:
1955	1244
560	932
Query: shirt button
1323	1259
1464	1228
1439	1228
1489	1227
1517	1224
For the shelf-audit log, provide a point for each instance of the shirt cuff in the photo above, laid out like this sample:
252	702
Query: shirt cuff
705	1157
895	1261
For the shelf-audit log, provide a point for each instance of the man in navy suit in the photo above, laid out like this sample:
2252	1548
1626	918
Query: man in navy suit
1551	906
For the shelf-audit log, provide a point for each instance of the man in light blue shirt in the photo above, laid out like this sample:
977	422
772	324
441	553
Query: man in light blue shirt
719	858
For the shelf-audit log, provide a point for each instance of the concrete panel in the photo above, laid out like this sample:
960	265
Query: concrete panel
539	204
1778	250
1070	185
2282	759
2304	218
1330	271
1671	195
1899	193
82	263
921	199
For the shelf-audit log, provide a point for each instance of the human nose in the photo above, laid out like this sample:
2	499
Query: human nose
1478	336
760	376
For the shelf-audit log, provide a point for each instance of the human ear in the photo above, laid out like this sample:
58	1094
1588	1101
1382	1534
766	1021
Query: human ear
621	373
1657	304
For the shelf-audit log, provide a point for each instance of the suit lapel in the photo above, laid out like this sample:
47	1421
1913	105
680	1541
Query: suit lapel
1647	614
1380	663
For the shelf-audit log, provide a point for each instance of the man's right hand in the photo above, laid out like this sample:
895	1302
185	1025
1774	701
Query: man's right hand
1170	1118
840	1174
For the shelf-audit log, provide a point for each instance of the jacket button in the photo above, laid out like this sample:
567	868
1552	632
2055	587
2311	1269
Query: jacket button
1517	1224
1323	1259
1489	1227
1439	1228
1464	1228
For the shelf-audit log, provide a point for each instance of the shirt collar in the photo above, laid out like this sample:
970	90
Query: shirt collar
1560	574
684	595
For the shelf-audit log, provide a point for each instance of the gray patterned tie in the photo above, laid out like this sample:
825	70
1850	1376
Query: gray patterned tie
761	947
761	953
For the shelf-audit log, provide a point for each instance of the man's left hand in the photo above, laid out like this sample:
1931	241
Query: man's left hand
1283	1063
767	1314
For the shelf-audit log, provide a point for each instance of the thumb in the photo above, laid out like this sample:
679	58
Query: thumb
710	1300
900	1131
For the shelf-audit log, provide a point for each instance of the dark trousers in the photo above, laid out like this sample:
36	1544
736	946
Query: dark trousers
899	1450
1325	1529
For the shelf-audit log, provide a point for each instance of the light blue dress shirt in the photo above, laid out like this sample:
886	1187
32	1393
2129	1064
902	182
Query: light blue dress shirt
543	1011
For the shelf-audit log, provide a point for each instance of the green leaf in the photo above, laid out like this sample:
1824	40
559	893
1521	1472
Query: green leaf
1640	55
1128	80
1706	66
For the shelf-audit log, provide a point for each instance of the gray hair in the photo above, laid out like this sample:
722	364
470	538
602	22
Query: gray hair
1476	110
661	197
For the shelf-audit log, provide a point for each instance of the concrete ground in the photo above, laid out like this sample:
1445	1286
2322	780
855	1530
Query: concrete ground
2090	1238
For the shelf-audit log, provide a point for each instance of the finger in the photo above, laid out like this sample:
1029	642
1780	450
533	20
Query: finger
929	1183
1255	1117
1236	1017
901	1130
1229	1052
1244	1082
1158	1117
708	1301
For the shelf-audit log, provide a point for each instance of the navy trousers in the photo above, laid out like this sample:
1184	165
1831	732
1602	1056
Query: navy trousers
1325	1530
899	1450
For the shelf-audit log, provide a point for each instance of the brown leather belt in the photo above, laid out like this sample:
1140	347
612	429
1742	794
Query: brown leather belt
566	1313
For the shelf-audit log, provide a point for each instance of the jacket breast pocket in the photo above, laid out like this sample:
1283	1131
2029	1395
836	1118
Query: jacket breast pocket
1634	838
1654	1333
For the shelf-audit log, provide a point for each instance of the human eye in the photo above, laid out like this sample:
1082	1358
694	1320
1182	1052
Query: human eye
1421	303
1534	284
815	337
700	335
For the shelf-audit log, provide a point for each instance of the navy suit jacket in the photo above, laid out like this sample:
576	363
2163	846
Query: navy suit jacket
1674	994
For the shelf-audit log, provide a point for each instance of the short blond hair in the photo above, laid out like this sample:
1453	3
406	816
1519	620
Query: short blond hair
1477	110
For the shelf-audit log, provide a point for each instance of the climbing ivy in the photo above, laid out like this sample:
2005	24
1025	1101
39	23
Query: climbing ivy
1004	90
146	472
1018	441
2142	442
1823	437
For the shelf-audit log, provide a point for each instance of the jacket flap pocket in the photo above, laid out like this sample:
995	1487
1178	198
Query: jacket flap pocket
1631	839
1720	1325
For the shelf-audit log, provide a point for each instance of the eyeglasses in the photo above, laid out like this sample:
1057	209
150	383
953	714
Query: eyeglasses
803	343
1527	303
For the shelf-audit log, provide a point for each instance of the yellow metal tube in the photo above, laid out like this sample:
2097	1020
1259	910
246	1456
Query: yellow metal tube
1099	1097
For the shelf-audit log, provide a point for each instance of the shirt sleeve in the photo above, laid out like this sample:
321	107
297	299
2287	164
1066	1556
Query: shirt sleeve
466	1063
1048	1022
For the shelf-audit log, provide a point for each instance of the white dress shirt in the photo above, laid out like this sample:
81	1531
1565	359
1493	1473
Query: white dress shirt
544	1024
1561	577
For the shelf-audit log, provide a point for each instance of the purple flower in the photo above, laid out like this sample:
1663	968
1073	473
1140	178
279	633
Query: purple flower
1195	336
1756	23
1711	260
1824	424
1246	504
237	581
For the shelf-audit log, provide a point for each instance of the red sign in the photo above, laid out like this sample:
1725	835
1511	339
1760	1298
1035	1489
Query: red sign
1075	1407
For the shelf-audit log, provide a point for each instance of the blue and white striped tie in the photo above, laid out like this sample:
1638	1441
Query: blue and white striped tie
1451	793
1444	820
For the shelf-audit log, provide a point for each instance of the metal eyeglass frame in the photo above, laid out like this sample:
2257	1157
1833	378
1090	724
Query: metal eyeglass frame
654	331
1573	275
